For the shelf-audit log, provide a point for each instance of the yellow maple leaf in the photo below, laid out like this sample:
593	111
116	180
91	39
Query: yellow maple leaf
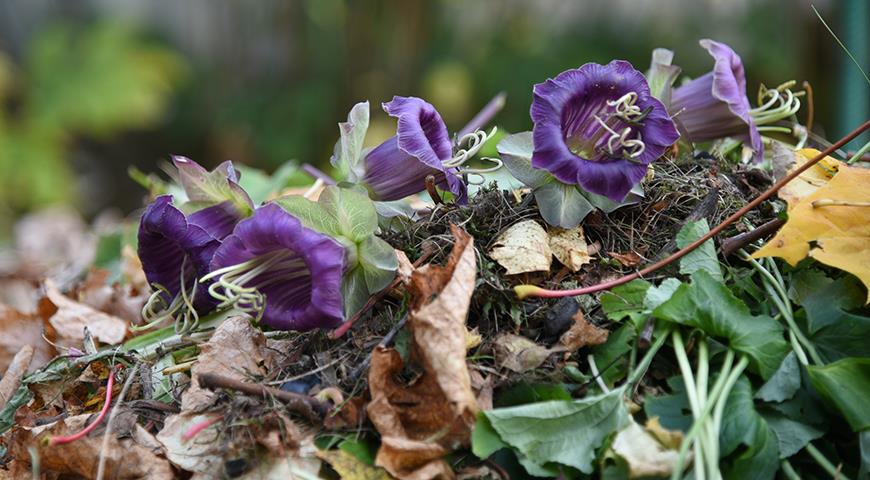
809	181
831	225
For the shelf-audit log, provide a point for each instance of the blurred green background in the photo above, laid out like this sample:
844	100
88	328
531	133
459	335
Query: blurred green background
92	87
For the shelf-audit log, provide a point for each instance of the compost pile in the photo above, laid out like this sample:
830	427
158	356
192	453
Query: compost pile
458	306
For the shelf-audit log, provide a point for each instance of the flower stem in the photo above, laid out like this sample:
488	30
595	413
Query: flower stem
72	438
523	291
788	470
860	153
641	368
824	462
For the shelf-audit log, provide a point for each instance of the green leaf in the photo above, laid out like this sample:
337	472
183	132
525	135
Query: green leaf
792	436
484	439
523	393
741	424
627	301
660	294
701	258
562	432
7	413
708	305
834	331
312	214
562	205
378	262
516	153
846	385
672	409
353	211
611	357
354	291
784	382
362	450
262	186
607	205
662	74
205	188
348	158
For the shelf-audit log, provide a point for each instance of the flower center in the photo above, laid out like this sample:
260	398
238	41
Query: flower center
240	286
606	129
180	308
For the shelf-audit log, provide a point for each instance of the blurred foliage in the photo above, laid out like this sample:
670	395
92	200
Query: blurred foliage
92	82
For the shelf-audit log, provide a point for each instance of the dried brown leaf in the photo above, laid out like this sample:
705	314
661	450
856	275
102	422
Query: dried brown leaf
422	421
125	458
518	353
627	259
350	467
523	247
17	330
570	247
582	333
11	380
71	317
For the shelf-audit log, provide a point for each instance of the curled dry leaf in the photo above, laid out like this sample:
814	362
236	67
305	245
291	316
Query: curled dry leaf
523	247
125	458
582	333
570	247
518	353
70	319
646	457
17	330
11	380
627	259
421	422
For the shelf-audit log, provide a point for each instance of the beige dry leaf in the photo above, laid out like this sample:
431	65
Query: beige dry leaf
201	454
570	247
17	330
646	457
582	333
125	458
71	318
523	247
809	181
236	350
350	467
518	353
11	380
627	259
421	422
671	439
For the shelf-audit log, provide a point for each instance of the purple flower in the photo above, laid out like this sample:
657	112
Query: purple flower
598	127
271	257
398	167
175	249
715	105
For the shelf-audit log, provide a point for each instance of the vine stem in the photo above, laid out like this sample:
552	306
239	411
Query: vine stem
72	438
524	291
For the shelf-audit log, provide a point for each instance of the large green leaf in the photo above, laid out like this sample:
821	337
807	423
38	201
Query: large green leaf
784	382
611	357
562	205
206	188
792	436
708	305
626	301
741	424
378	262
834	331
845	384
560	432
348	158
701	258
310	213
516	153
353	211
262	186
672	409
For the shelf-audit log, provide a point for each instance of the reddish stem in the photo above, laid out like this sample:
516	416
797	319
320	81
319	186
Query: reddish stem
535	291
72	438
195	429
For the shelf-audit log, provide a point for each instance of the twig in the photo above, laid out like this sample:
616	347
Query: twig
104	447
433	192
731	245
304	405
385	342
195	429
524	291
704	209
72	438
12	378
346	326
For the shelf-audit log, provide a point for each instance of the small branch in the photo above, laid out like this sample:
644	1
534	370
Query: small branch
304	405
72	438
524	291
735	243
104	447
433	192
385	342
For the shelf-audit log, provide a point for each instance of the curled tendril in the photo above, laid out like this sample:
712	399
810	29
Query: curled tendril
470	144
633	147
777	103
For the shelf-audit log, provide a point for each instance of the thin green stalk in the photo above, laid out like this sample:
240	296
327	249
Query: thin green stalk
698	464
824	462
860	153
721	388
788	470
641	368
